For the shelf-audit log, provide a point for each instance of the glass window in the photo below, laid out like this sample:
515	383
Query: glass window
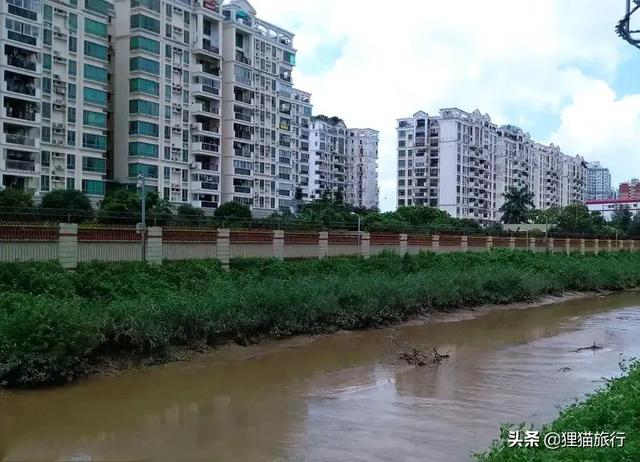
95	73
73	21
95	50
45	158
46	85
93	164
91	95
149	171
143	128
71	183
73	44
94	119
71	115
71	138
46	61
92	141
95	28
145	22
44	183
139	106
151	4
48	13
144	43
46	110
73	67
143	149
45	133
144	65
93	187
47	37
99	6
71	161
144	86
72	90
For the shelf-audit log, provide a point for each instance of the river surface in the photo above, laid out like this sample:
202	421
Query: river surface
342	397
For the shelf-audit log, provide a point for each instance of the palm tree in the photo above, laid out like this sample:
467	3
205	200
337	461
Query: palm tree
518	202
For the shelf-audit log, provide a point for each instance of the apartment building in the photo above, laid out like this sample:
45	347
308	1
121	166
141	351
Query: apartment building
463	163
362	185
598	182
448	161
302	113
629	190
55	66
328	166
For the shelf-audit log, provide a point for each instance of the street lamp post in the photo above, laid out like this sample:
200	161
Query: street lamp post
359	234
143	224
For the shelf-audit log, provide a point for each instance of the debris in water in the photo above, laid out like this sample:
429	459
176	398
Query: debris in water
564	369
593	347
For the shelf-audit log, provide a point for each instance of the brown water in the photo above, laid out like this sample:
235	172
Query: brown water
340	397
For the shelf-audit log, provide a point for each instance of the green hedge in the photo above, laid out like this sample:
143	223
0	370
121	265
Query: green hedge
54	324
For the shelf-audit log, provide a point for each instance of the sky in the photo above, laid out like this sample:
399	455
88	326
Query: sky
555	68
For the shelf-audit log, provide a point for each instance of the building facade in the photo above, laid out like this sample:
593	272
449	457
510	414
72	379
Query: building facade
55	70
462	163
362	185
606	207
629	190
328	158
598	182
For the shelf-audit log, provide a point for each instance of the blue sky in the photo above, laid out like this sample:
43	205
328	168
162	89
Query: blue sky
553	67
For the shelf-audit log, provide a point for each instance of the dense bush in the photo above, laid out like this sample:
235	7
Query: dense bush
54	324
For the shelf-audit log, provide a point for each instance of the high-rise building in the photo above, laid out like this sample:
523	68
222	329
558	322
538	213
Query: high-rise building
302	113
328	166
362	185
54	62
463	163
598	182
629	190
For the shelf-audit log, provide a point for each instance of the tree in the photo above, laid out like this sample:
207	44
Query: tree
15	204
66	205
120	206
621	218
545	216
518	203
634	228
233	210
190	215
160	213
575	218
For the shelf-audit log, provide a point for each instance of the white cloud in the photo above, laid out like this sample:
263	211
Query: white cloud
515	59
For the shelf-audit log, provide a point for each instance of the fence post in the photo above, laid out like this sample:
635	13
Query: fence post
596	246
435	243
489	243
154	245
583	246
223	248
278	244
68	245
512	243
323	244
550	243
567	246
403	244
365	245
532	244
609	245
464	243
632	245
620	244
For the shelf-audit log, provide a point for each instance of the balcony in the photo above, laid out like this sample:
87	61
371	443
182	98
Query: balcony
21	110
242	150
22	38
21	165
243	115
210	46
242	132
205	127
22	84
21	59
205	109
206	186
207	69
203	204
242	58
21	140
205	147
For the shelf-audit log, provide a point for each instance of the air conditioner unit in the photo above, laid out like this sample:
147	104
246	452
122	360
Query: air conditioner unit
193	165
57	76
59	167
58	141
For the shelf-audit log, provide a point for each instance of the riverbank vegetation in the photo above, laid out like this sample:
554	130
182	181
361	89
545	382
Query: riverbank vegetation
57	325
613	409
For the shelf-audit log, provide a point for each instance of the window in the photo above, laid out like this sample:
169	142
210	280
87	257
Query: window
71	183
144	43
92	141
47	37
144	86
71	115
44	183
93	187
143	150
94	119
22	32
99	6
242	167
96	28
91	95
46	62
151	4
145	22
71	162
73	67
46	85
93	164
149	171
72	90
95	51
73	44
71	138
48	13
73	21
143	128
144	65
97	74
45	133
139	106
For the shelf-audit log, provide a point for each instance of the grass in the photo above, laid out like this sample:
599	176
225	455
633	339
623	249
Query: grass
56	325
614	408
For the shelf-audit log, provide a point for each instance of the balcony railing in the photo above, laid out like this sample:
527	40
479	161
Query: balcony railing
22	38
240	57
20	139
22	165
21	62
22	88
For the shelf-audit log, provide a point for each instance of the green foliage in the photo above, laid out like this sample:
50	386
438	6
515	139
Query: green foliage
11	200
54	324
233	210
614	408
190	215
517	205
66	205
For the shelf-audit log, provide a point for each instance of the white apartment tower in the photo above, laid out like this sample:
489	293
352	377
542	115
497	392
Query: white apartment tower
598	182
302	113
448	161
463	164
328	166
362	187
54	62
